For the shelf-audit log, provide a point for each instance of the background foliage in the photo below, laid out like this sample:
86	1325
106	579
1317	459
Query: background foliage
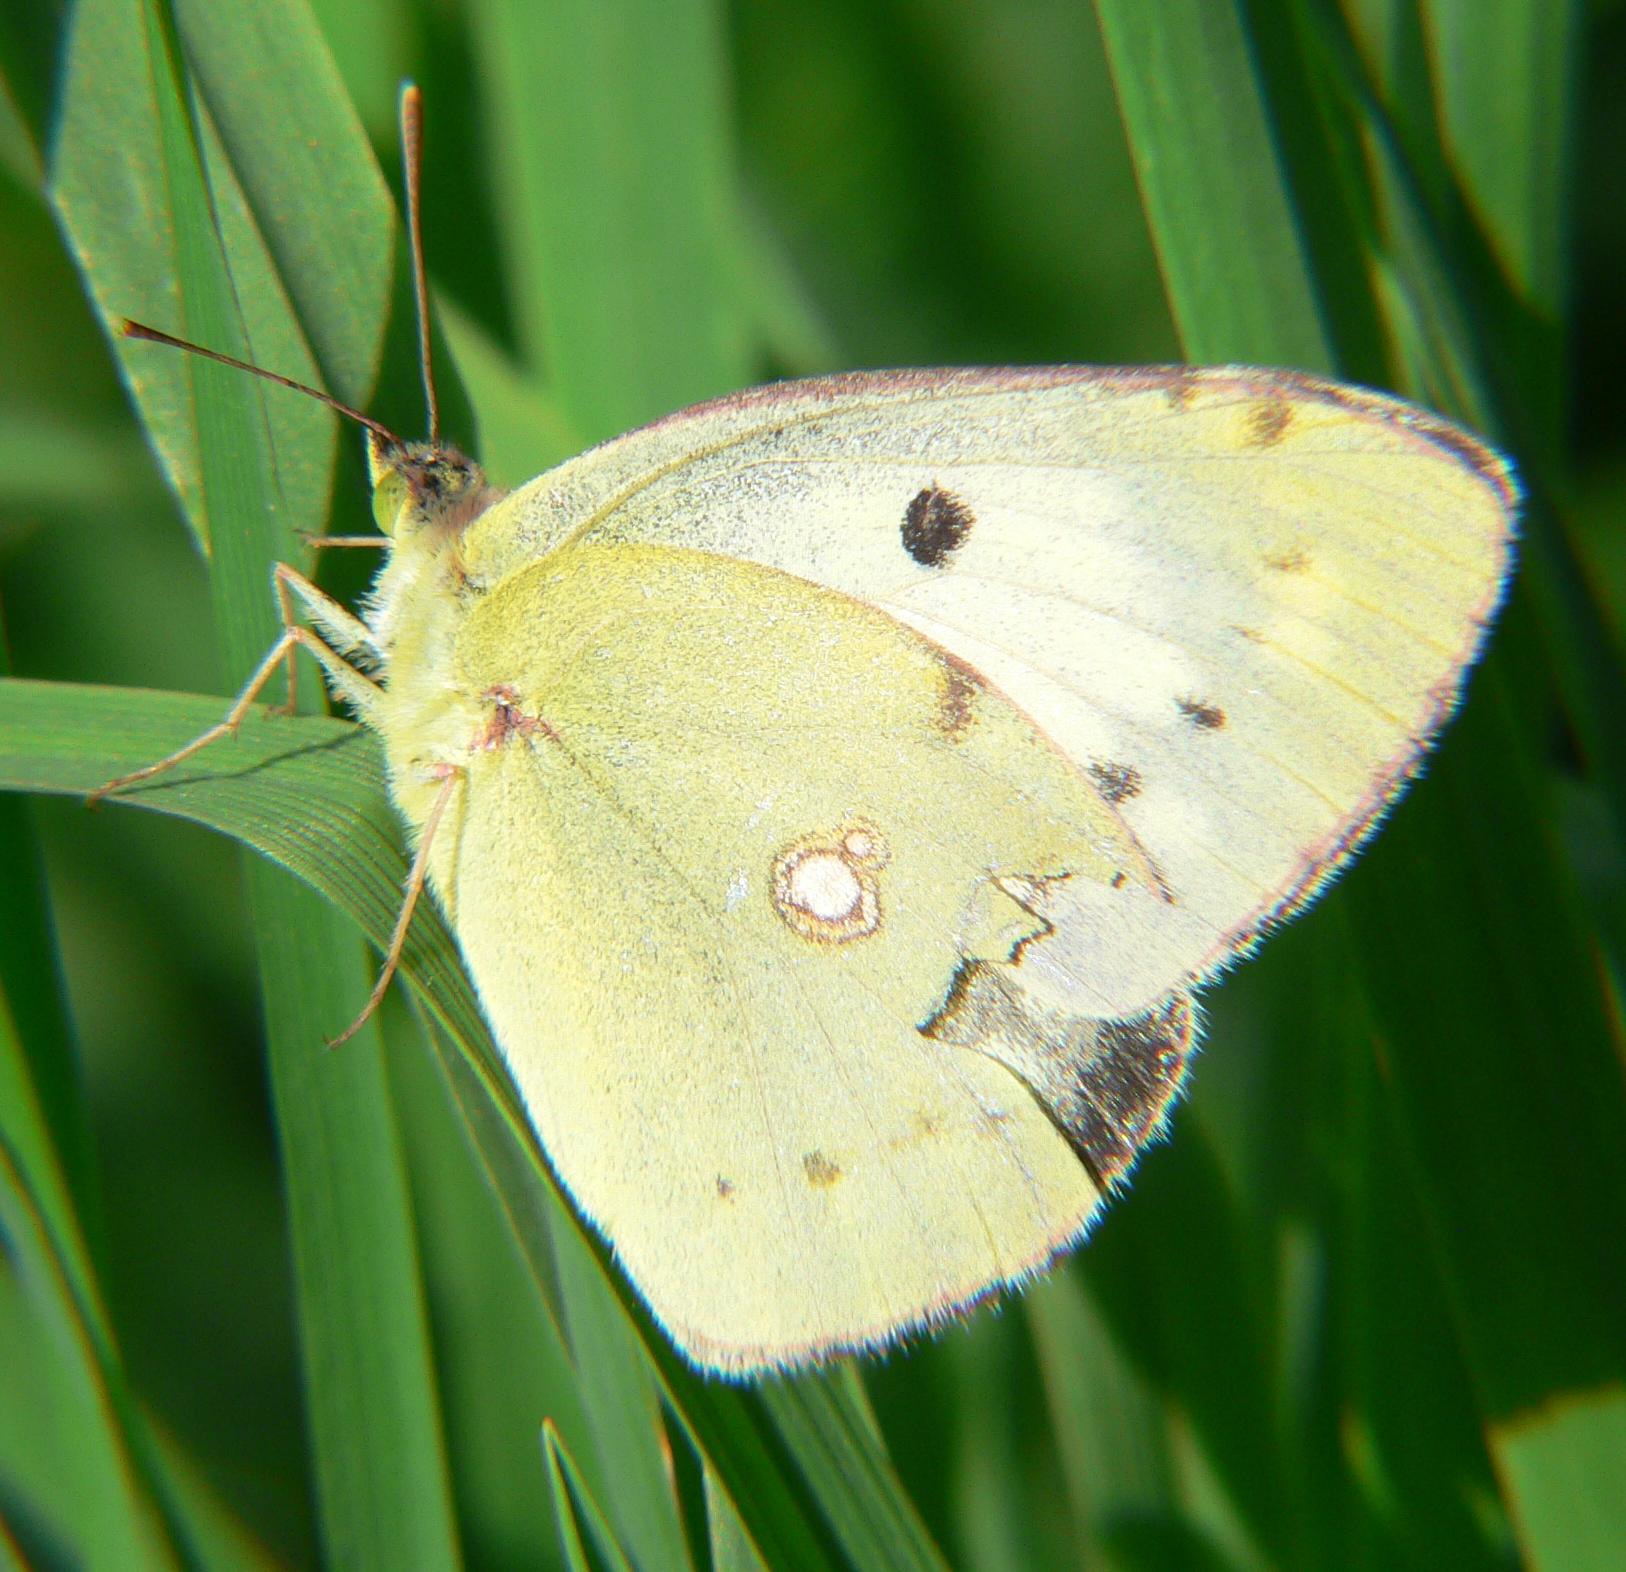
1366	1308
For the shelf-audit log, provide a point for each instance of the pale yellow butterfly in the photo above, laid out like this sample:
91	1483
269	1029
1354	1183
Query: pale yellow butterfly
838	790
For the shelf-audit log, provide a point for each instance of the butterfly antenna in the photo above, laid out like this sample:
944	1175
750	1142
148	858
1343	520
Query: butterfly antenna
155	336
412	159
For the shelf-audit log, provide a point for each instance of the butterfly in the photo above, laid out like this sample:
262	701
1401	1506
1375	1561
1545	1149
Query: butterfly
840	790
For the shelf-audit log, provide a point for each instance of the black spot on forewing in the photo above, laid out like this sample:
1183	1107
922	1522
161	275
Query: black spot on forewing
820	1170
1201	713
725	1188
1116	782
935	523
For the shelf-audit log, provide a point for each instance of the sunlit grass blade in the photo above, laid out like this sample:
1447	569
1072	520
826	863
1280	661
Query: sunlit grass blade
730	1545
1214	184
615	202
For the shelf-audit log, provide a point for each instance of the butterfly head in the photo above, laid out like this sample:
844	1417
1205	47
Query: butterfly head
424	487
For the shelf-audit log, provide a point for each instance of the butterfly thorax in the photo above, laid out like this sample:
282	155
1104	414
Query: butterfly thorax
425	495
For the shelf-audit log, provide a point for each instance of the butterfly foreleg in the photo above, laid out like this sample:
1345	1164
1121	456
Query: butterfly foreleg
342	632
357	689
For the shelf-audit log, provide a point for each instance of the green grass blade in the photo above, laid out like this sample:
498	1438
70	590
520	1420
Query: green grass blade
522	429
31	985
1215	187
717	1421
573	1506
94	1484
823	1420
111	183
1531	1251
1506	72
30	44
317	198
730	1545
501	1355
1477	343
623	1408
615	202
1111	1439
363	1330
1457	1025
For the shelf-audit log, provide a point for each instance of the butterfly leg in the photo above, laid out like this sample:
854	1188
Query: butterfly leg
353	686
450	775
341	630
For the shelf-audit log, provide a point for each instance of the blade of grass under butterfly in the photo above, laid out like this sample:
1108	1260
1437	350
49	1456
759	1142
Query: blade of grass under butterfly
623	1408
1108	1426
730	1545
306	791
501	1356
363	1331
